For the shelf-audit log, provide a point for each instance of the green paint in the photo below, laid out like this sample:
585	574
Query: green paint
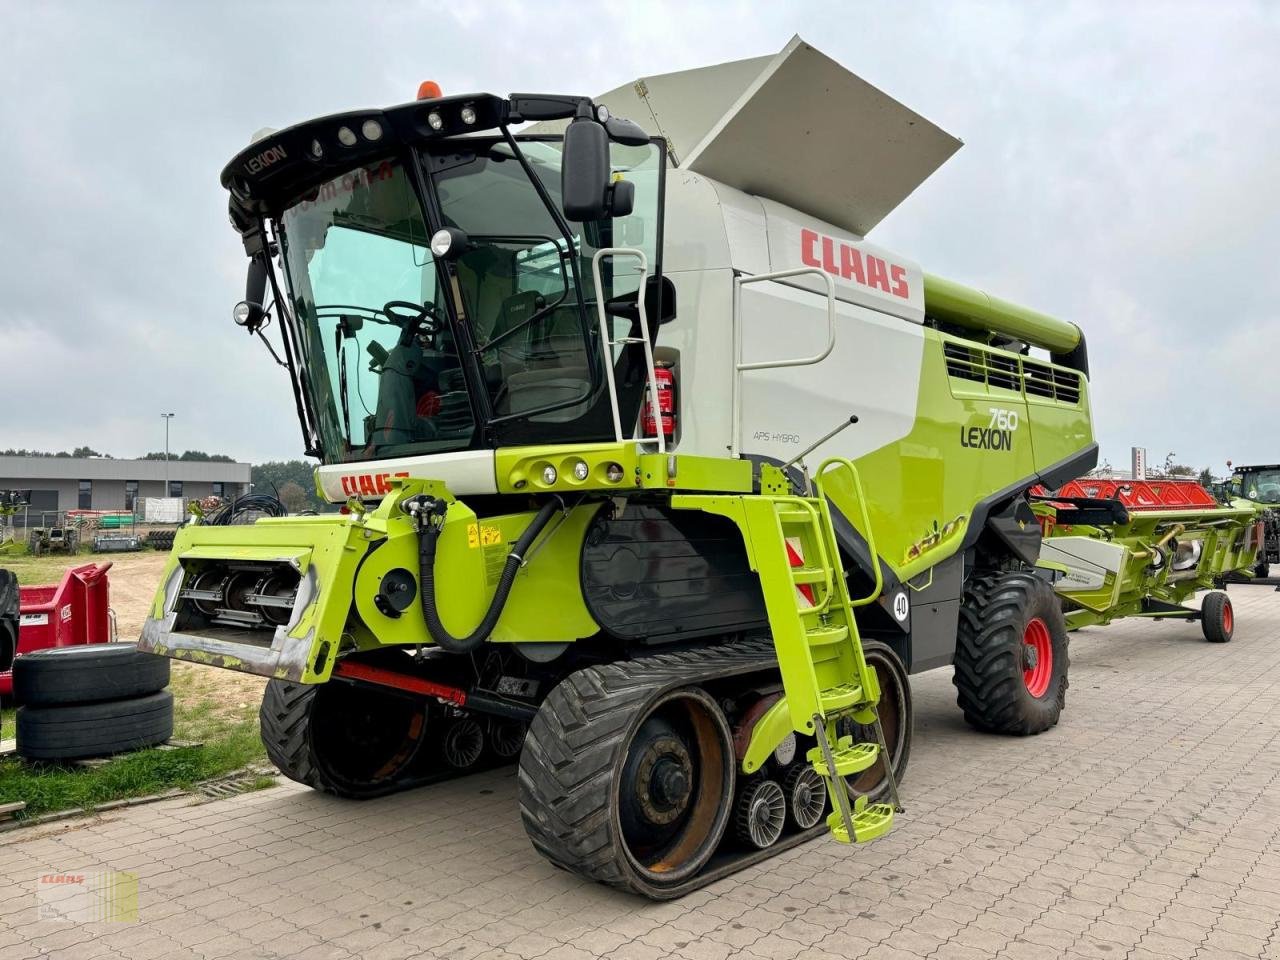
948	300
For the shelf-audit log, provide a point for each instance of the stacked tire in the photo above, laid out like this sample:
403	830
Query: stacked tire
90	701
161	539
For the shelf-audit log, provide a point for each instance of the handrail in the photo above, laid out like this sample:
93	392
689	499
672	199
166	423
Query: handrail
735	400
824	556
606	343
866	522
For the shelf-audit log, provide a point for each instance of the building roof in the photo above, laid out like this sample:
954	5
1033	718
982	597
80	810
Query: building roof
102	468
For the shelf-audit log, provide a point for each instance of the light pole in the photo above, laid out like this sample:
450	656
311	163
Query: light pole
167	417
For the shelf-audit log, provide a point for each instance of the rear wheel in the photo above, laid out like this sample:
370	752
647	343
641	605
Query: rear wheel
1011	654
1217	618
351	740
1262	568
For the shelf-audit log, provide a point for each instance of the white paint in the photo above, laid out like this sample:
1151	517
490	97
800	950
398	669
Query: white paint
873	372
467	472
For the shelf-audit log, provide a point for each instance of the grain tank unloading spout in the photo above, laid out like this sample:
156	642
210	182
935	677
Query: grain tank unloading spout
797	128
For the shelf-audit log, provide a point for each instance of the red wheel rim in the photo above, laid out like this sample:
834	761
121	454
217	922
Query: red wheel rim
1228	618
1037	637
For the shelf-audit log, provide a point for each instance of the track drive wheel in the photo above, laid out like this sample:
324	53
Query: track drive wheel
1217	618
1011	654
625	785
352	740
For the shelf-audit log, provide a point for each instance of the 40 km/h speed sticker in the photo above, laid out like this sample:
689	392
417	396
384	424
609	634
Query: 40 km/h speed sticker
900	606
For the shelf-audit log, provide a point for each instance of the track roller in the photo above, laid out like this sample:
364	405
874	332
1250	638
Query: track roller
761	813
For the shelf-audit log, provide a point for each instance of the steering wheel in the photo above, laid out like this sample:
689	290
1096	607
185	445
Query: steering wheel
412	318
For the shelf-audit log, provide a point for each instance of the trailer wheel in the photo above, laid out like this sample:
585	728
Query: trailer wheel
1262	569
1011	654
348	739
81	730
1217	618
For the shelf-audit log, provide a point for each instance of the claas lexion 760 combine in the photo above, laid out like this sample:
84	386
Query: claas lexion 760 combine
657	476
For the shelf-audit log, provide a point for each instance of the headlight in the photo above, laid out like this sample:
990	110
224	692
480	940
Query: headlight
435	120
549	475
580	470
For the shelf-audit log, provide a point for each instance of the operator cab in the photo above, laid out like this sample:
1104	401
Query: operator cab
436	290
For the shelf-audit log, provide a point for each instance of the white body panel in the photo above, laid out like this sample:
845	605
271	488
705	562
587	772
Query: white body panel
873	371
466	472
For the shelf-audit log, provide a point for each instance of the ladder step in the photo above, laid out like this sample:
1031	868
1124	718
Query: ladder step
850	758
808	575
823	636
835	699
870	822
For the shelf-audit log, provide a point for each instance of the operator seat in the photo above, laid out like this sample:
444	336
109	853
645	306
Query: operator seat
542	364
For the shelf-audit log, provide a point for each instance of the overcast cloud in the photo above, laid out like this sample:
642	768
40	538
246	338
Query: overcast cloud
1121	169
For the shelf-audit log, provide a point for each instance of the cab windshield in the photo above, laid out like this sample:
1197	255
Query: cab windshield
1262	486
401	356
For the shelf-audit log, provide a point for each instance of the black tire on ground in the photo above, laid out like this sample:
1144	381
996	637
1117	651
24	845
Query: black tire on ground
1011	654
1217	617
1262	569
161	539
10	604
896	721
600	736
89	673
352	740
78	731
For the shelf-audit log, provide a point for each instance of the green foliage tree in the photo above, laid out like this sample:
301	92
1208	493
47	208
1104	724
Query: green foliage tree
272	477
294	497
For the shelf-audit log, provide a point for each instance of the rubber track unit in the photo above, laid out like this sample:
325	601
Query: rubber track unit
284	721
565	781
988	660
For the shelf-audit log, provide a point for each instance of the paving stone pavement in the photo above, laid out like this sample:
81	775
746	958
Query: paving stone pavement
1147	824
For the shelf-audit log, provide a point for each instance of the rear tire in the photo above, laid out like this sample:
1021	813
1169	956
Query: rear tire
84	730
1217	617
351	740
1262	569
1011	654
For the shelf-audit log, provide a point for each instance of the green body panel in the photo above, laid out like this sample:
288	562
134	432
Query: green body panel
326	552
954	302
1124	557
522	469
545	603
343	560
922	489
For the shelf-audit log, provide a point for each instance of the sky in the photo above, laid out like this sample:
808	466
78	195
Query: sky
1121	169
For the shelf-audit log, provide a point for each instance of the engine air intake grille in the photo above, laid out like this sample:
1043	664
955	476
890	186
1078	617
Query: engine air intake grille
978	365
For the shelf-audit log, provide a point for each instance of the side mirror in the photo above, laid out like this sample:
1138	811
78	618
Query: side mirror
249	312
584	171
659	302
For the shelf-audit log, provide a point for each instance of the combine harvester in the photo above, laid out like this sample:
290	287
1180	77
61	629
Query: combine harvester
657	476
1142	548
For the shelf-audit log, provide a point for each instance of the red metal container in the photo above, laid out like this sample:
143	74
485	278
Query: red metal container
75	611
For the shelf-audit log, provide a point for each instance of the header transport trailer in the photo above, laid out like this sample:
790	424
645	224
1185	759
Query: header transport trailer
657	475
1121	548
